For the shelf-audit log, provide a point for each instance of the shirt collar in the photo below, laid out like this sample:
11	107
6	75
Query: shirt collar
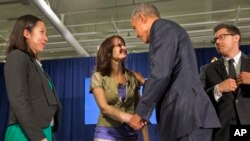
236	58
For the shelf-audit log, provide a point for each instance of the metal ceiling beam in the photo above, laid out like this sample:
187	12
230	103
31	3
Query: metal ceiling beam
133	3
5	2
49	13
114	25
237	16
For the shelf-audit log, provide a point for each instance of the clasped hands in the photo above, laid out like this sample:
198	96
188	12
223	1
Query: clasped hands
136	122
230	84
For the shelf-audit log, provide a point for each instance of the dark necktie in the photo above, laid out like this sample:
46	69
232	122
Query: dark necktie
231	69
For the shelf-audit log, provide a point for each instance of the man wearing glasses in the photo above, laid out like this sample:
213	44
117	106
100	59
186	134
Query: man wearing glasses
227	81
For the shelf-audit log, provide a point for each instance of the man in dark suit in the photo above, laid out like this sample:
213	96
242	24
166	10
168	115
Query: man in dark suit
184	111
229	94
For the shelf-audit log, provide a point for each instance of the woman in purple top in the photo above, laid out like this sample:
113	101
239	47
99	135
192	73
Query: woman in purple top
116	92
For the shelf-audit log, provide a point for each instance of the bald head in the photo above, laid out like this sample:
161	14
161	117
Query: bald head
146	9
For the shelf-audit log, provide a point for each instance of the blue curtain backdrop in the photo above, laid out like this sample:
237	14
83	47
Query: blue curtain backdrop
3	104
68	76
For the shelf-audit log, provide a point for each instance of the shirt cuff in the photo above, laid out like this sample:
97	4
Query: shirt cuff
217	94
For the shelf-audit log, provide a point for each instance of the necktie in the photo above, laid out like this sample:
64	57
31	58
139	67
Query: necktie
231	69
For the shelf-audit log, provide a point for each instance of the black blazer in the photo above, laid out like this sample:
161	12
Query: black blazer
173	85
32	102
231	108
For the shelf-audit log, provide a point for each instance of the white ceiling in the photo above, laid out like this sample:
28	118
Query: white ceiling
89	22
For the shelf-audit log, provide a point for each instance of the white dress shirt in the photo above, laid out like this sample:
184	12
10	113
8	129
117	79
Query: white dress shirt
237	64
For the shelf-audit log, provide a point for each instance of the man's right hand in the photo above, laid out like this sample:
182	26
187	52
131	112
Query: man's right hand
135	122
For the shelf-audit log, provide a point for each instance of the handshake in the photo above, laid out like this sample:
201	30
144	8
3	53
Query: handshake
136	122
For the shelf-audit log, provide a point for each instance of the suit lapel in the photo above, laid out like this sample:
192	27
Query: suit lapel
48	92
244	67
220	68
245	63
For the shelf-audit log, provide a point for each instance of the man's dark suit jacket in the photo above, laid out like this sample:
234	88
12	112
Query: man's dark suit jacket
173	85
32	102
229	108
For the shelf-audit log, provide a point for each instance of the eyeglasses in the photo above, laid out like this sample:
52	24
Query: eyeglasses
220	37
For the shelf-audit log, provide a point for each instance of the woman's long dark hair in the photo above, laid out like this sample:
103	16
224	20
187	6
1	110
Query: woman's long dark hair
16	39
104	55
